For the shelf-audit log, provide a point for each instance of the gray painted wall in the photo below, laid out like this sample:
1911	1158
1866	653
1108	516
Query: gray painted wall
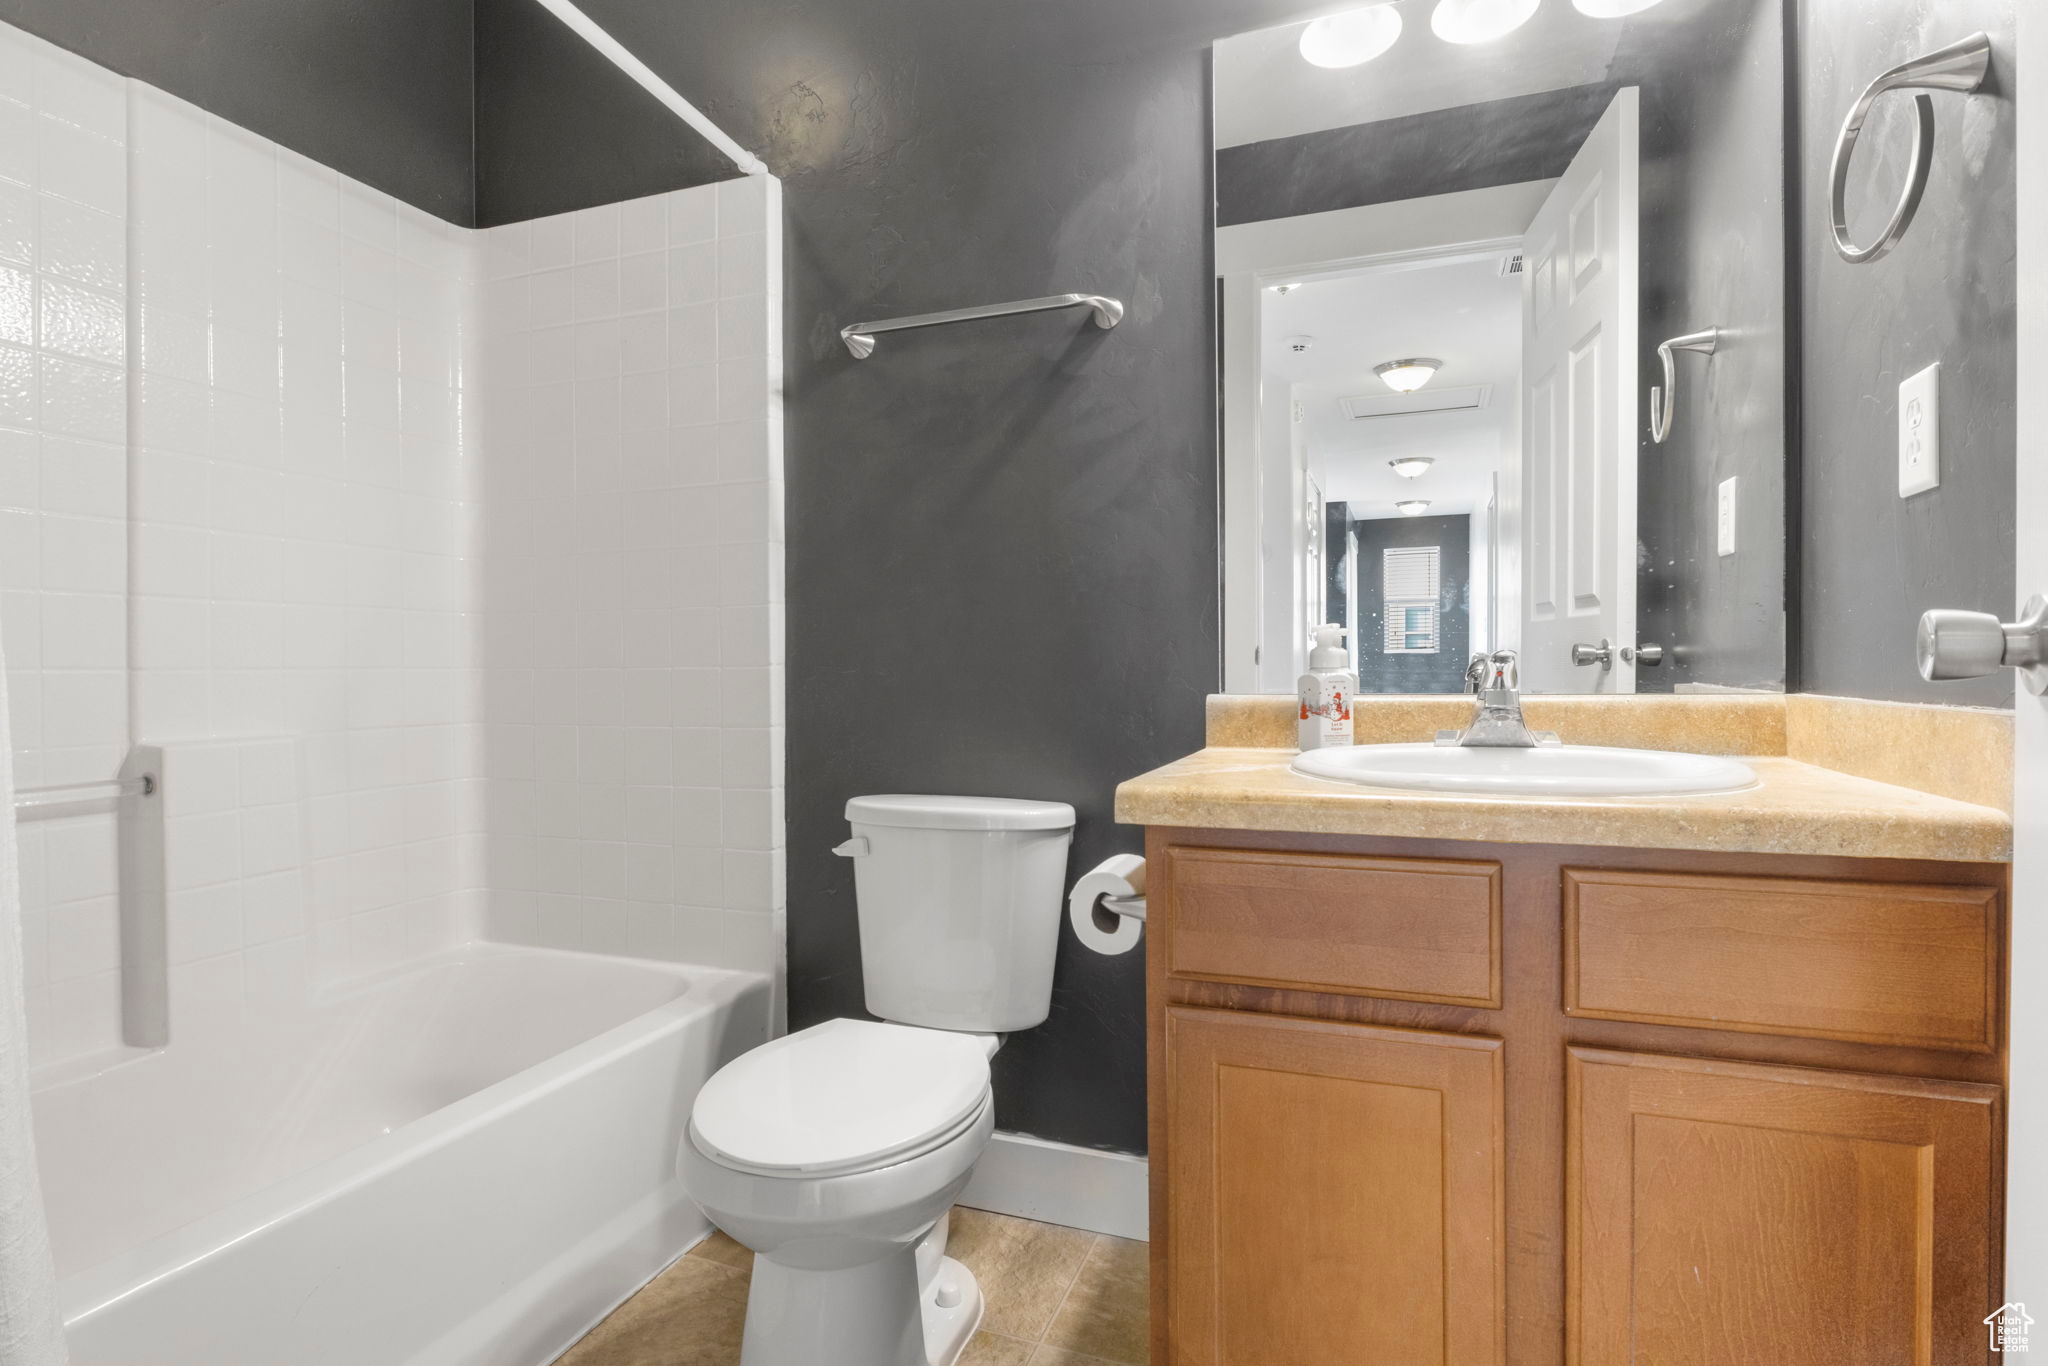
1871	562
1471	147
378	89
531	161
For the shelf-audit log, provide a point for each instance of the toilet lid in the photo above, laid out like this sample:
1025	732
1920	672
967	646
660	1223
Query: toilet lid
846	1095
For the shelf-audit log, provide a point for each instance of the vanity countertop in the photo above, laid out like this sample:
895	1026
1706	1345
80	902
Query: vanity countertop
1795	807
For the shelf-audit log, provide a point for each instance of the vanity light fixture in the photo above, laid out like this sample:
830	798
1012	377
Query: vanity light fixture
1351	38
1611	9
1406	376
1479	21
1412	466
1413	507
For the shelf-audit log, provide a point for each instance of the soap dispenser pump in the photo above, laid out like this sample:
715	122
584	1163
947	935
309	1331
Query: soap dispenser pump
1326	691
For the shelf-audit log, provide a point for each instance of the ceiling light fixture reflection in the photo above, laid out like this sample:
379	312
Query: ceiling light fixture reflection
1611	9
1406	376
1413	507
1351	38
1412	466
1479	21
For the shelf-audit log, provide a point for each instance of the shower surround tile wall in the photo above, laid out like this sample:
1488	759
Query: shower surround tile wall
325	510
303	522
63	509
633	588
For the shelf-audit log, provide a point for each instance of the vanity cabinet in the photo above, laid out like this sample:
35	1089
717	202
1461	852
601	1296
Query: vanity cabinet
1426	1102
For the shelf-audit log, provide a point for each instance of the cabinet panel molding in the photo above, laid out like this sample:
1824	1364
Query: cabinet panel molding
1337	1193
1897	964
1405	929
1722	1214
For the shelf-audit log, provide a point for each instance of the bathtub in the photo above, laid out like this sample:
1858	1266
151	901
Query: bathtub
467	1160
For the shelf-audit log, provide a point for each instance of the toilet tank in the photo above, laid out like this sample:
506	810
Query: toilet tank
959	901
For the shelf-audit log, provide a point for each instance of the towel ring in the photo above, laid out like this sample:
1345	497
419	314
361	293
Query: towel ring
1664	401
1960	67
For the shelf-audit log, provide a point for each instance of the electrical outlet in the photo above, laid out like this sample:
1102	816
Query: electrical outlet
1920	432
1724	519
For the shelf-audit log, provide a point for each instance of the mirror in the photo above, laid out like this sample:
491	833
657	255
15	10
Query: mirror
1502	292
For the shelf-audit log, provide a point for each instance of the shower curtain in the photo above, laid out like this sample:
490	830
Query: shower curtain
30	1331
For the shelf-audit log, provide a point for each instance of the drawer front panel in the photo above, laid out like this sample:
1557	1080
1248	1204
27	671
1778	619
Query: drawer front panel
1898	964
1408	929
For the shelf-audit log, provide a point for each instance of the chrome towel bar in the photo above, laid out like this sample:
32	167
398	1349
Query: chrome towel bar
1664	401
36	798
860	337
1960	67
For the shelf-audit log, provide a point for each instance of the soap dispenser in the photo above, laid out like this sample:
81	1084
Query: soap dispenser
1326	691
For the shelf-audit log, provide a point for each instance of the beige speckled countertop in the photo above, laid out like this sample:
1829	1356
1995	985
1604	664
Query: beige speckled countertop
1796	807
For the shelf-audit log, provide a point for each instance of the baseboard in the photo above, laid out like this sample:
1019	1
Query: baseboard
1057	1183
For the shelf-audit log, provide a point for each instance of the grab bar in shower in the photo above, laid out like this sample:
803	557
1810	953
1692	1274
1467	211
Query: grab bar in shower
36	798
1664	401
860	337
1960	67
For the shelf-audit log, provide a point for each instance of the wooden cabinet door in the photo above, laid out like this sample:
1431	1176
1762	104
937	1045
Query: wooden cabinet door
1727	1214
1335	1193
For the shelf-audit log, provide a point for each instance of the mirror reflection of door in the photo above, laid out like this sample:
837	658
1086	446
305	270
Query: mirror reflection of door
1443	275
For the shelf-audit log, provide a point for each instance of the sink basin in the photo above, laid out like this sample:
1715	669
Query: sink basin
1547	771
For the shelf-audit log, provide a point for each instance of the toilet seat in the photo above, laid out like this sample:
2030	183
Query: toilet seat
844	1096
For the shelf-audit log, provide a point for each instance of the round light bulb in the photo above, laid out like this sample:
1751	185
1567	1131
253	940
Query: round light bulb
1413	507
1406	376
1412	466
1611	9
1479	21
1351	38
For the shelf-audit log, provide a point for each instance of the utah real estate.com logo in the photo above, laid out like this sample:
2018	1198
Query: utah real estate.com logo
2008	1326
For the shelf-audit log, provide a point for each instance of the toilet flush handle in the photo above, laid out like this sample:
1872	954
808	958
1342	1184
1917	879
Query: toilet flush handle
857	847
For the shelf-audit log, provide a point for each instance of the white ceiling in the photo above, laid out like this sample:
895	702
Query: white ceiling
1461	312
1265	90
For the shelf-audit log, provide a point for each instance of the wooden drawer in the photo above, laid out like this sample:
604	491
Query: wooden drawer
1410	929
1906	965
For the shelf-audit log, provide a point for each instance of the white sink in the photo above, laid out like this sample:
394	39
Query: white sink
1546	771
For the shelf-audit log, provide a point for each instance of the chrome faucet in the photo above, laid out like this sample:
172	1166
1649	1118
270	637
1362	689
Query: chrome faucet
1495	680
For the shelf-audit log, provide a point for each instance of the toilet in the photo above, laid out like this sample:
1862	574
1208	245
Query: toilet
836	1152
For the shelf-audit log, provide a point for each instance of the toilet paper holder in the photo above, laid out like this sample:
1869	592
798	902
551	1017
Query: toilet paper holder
1107	904
1129	907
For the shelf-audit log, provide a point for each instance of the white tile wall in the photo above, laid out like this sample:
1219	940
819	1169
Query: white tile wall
633	669
446	566
63	513
303	526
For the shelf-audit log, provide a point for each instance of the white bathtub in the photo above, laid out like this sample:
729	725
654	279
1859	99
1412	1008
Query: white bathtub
468	1160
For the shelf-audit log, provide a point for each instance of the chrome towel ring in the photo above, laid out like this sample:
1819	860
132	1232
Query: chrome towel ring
1664	401
1959	67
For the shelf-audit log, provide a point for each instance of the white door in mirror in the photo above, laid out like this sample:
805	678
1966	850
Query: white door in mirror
1577	482
1546	771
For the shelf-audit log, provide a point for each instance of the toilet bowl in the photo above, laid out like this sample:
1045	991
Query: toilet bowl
835	1153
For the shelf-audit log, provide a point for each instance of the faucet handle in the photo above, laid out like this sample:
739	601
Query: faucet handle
1506	668
1476	671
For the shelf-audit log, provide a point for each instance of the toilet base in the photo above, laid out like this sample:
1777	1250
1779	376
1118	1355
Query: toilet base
874	1314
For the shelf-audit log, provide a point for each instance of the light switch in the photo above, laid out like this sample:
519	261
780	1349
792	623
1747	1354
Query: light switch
1724	520
1920	432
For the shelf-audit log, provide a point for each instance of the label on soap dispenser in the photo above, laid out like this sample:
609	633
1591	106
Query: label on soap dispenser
1325	712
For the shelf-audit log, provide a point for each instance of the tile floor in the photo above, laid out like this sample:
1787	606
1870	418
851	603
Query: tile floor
1055	1297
